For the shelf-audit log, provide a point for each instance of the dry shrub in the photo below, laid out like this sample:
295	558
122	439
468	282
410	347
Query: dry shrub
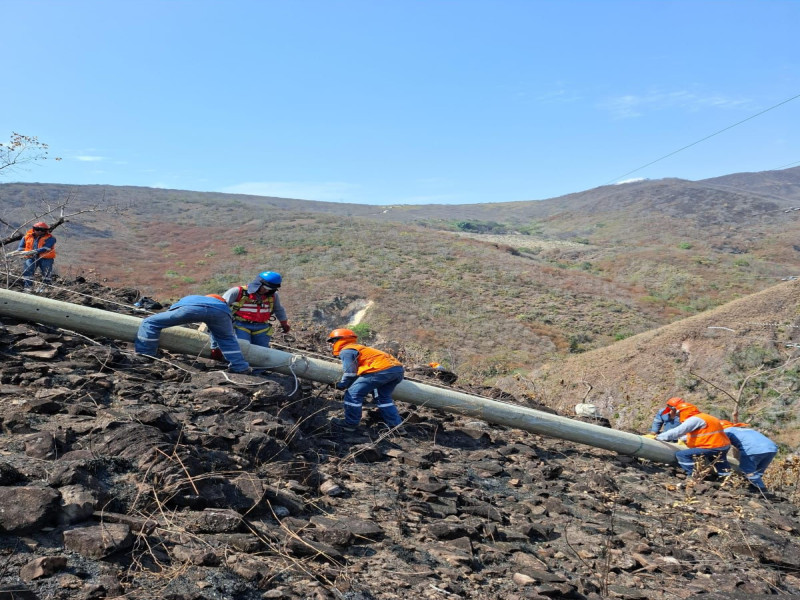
783	477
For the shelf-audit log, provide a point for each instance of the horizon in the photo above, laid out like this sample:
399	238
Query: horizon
401	104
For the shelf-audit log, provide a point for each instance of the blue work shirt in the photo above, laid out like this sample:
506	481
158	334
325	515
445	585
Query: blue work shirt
662	421
204	301
749	441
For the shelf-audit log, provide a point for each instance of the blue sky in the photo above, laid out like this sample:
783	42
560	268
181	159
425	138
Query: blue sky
399	101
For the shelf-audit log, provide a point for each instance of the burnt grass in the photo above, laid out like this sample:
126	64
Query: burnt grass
126	477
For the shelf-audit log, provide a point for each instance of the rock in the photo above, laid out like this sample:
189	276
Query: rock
98	541
42	567
41	445
27	508
216	520
77	504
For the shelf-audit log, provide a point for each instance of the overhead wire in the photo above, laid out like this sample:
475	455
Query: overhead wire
703	139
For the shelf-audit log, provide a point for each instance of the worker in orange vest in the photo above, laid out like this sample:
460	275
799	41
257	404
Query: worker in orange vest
40	243
365	370
703	435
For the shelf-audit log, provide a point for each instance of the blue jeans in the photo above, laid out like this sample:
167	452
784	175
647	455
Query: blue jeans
45	265
716	456
381	384
754	465
220	330
258	334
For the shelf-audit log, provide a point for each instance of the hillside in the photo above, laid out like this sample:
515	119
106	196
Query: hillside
489	290
121	477
753	340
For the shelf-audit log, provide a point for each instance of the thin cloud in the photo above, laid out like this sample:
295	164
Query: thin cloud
89	158
334	191
631	106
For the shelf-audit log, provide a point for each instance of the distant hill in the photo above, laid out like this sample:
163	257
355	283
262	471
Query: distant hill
489	290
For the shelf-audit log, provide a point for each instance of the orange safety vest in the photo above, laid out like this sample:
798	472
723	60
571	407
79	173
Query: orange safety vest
32	243
710	436
371	360
246	308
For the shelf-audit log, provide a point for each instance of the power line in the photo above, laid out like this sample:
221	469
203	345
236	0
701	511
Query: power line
703	139
797	162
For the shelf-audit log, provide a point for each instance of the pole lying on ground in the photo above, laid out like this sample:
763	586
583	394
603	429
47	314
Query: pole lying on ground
92	321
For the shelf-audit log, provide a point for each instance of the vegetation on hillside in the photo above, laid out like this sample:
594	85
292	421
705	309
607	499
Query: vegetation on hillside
488	290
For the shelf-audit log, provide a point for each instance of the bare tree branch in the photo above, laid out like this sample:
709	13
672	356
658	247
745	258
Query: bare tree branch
738	398
20	150
61	209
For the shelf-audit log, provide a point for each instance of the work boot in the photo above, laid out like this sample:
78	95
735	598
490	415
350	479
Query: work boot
343	425
397	430
247	371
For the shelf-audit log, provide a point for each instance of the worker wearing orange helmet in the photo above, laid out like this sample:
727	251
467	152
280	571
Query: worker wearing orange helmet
41	245
703	434
365	370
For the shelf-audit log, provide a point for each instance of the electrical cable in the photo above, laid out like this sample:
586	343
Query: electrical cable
703	139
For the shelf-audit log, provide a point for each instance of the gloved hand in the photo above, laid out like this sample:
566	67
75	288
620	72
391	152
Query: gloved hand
216	354
285	326
341	385
651	435
681	444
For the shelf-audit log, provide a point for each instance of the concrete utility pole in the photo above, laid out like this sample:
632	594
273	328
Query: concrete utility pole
92	321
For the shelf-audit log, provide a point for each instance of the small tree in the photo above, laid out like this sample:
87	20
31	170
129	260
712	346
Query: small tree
21	150
739	398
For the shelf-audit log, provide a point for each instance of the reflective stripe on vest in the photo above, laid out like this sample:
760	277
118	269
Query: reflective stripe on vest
710	436
29	244
371	360
247	309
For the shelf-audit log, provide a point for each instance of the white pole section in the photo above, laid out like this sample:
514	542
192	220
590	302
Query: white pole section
92	321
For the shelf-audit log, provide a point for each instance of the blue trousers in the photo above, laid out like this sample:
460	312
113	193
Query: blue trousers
754	465
220	328
381	384
45	265
259	334
716	456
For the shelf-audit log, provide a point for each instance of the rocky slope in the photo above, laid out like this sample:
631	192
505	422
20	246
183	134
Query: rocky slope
125	477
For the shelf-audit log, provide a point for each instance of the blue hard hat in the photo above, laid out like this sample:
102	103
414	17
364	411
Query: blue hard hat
270	278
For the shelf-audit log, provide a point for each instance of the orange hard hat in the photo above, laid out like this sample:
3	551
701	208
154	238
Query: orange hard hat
41	225
676	403
339	334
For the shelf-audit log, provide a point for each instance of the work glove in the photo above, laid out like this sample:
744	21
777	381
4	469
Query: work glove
681	444
340	385
216	354
652	436
285	326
